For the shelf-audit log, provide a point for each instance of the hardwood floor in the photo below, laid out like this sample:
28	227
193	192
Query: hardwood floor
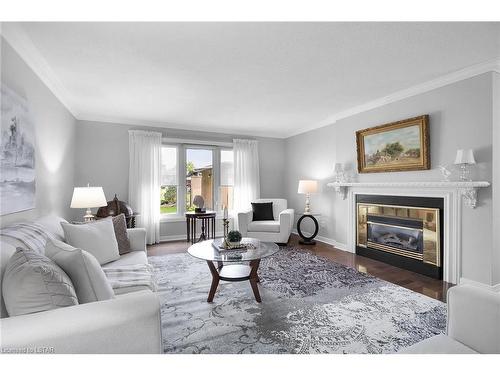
418	283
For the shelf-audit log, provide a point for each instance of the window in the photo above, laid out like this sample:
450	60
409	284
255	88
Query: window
188	170
199	177
226	178
169	180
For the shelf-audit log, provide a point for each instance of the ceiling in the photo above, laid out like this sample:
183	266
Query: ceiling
273	79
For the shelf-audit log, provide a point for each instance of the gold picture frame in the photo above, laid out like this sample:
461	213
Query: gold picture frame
398	146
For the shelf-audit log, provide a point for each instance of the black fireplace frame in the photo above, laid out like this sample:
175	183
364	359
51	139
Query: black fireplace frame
397	260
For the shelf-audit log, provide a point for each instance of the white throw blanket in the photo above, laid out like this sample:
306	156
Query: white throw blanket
32	235
131	276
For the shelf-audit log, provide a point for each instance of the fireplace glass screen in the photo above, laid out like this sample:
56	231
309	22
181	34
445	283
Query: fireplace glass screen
411	232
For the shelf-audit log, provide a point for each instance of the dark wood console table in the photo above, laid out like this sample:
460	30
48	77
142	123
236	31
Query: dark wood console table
207	226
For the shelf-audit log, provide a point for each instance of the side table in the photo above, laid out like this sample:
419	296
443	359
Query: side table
308	240
207	226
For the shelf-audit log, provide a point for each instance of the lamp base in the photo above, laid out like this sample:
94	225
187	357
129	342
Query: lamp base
465	172
88	216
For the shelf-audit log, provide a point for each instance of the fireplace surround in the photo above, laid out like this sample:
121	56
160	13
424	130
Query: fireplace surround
405	231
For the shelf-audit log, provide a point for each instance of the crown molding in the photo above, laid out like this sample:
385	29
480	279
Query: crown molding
459	75
22	44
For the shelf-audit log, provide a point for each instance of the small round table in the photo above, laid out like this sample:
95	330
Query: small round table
230	268
207	225
308	240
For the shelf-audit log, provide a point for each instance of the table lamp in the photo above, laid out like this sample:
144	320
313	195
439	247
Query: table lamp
307	187
465	158
88	197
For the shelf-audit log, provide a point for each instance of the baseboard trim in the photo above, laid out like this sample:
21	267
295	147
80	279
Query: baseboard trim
328	241
178	237
494	288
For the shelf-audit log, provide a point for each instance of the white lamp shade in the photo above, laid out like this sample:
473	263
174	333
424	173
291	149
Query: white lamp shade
88	197
465	157
308	186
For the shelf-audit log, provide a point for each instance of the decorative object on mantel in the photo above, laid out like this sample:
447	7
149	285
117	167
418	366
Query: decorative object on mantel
116	207
468	189
88	197
445	171
18	182
339	174
465	158
397	146
307	187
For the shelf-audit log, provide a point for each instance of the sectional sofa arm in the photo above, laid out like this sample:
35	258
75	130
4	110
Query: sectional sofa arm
137	237
286	220
243	219
474	318
127	324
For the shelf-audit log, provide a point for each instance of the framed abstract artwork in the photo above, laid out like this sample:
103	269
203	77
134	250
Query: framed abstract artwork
17	154
397	146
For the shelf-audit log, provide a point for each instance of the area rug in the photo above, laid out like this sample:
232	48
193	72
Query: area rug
309	305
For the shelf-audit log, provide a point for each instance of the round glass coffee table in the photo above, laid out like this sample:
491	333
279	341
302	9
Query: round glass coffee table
229	262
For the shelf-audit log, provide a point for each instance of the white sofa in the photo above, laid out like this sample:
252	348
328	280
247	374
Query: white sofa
277	230
473	324
129	323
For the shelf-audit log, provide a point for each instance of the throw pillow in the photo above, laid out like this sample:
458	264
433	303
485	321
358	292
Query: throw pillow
84	270
120	226
33	283
262	211
97	237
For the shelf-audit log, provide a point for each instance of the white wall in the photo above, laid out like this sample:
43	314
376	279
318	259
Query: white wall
460	117
54	138
102	160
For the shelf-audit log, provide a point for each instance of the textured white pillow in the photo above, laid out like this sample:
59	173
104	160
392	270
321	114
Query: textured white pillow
33	283
84	270
98	238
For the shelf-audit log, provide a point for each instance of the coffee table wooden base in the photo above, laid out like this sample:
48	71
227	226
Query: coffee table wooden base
233	273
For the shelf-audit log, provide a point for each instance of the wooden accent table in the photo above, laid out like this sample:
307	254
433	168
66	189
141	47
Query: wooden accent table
207	225
230	268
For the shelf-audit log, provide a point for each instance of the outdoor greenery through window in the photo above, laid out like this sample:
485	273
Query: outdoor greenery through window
169	180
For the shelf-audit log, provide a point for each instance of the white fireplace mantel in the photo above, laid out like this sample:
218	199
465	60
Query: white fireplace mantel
453	194
468	189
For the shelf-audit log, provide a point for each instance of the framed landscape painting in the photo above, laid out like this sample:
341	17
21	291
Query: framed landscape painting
398	146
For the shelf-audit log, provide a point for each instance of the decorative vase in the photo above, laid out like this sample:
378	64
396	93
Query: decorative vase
234	244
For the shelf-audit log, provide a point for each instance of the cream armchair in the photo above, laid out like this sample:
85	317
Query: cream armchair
277	230
473	324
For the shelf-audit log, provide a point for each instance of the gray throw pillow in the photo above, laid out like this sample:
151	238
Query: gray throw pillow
85	272
120	226
33	283
97	237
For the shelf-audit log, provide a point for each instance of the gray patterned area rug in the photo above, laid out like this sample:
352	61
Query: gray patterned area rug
309	305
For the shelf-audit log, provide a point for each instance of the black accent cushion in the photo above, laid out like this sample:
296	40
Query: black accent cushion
262	211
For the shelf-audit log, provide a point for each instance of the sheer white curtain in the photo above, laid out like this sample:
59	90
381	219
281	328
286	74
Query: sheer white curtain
144	180
246	173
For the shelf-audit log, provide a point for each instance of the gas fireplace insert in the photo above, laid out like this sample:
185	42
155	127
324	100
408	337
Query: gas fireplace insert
403	231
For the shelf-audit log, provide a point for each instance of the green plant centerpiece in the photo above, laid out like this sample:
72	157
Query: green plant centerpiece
234	238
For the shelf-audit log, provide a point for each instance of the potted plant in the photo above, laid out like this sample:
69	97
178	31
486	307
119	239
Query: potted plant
234	238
